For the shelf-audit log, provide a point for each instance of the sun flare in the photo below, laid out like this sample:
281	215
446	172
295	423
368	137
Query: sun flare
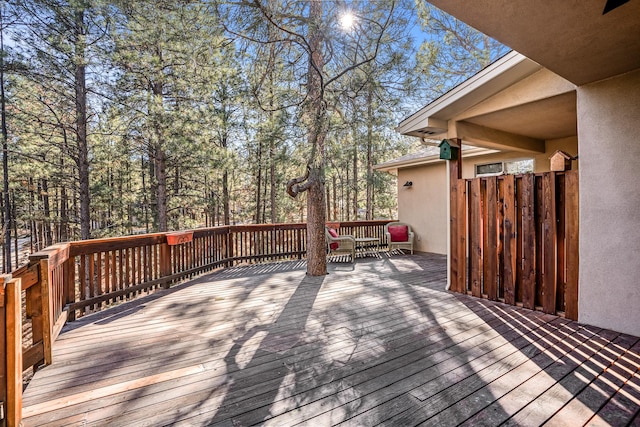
347	20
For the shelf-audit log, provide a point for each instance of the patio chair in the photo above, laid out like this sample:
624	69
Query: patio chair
340	245
399	236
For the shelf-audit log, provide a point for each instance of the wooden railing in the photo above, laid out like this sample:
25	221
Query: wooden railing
515	239
69	280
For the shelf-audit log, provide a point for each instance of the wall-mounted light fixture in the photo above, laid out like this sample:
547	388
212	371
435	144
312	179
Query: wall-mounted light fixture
408	184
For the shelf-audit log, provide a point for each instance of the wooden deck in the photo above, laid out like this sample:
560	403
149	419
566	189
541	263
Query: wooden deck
378	343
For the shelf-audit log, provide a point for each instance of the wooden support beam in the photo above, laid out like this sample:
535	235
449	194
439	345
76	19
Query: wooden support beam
571	234
455	187
496	139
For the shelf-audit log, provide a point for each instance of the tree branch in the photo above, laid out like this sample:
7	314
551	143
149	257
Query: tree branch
295	186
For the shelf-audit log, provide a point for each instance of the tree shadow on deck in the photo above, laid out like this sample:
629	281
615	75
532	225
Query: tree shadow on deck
279	337
177	345
367	354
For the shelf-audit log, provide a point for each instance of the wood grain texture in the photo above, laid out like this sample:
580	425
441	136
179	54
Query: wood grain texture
454	187
549	241
528	241
572	218
462	240
476	238
509	244
491	240
14	352
376	343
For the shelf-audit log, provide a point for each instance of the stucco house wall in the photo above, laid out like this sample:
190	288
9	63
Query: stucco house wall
608	117
424	205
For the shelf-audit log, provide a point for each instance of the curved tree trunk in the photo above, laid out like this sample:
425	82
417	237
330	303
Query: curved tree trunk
316	215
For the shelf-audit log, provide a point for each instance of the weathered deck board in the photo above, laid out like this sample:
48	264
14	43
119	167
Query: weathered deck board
375	342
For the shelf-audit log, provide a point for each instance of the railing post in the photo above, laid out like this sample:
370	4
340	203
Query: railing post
47	321
230	252
3	350
70	285
11	317
165	263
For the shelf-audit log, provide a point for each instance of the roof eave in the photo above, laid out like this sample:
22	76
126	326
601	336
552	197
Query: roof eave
432	119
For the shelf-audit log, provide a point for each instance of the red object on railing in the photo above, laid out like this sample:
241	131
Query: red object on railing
179	237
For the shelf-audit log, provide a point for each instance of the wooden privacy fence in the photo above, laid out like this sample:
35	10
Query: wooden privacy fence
69	280
514	238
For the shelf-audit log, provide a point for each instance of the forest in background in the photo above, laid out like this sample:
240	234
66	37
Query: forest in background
124	117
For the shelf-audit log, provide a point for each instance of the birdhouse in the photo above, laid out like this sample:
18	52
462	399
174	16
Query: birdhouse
561	161
448	150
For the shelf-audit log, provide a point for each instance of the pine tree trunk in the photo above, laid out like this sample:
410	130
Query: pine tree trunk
64	216
5	158
328	199
81	127
335	198
161	180
370	154
48	238
272	182
355	168
159	155
316	215
145	200
259	183
225	199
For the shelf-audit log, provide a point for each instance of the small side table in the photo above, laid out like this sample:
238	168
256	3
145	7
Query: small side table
366	243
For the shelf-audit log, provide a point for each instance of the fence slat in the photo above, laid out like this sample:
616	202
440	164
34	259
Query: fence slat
475	240
528	242
549	271
491	240
509	245
462	239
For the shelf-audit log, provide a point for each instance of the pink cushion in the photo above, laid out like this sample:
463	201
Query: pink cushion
399	233
333	233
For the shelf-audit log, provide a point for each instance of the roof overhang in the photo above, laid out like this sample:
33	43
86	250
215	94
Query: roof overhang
514	104
431	121
574	39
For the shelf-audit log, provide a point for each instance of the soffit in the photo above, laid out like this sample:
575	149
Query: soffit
432	119
546	119
571	38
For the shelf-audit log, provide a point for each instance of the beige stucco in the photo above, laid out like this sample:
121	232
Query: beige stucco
608	118
424	205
